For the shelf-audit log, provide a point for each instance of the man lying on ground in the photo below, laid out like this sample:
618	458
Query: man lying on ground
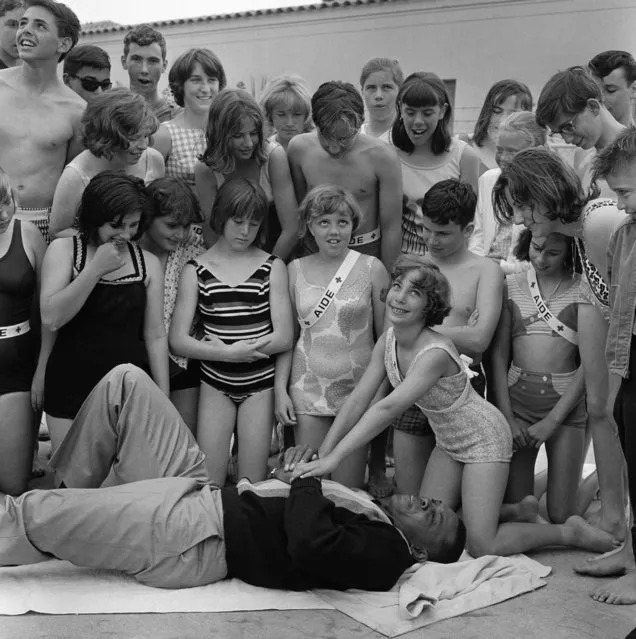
167	526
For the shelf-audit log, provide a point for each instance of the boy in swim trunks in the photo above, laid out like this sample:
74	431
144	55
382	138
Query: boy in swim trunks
336	153
33	154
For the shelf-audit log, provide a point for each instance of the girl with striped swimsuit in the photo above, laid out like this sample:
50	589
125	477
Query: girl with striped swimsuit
240	292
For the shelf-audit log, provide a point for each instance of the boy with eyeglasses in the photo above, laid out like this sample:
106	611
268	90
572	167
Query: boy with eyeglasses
87	71
571	105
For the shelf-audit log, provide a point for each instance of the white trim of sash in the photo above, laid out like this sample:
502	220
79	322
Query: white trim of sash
331	291
365	238
14	330
544	312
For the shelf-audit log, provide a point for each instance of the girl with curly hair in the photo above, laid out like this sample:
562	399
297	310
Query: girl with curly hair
117	129
470	463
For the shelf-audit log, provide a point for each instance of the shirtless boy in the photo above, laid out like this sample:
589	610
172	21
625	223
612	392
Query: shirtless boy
40	127
448	210
10	13
145	60
337	153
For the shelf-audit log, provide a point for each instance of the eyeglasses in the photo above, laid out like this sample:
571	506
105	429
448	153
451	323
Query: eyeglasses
568	127
91	84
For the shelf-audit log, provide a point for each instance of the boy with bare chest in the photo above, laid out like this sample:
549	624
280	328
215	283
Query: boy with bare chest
40	132
336	153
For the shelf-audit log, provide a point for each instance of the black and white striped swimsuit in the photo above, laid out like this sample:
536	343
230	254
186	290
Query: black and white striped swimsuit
234	313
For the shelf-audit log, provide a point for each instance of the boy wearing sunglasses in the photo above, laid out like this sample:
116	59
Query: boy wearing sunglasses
87	71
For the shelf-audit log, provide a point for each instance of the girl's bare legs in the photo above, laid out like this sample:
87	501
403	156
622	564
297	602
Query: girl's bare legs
311	430
254	428
16	442
216	419
565	450
411	454
58	427
186	401
483	487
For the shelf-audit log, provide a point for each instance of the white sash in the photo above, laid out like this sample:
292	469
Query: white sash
14	330
365	238
558	327
330	292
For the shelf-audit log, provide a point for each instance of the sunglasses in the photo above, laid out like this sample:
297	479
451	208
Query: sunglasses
91	84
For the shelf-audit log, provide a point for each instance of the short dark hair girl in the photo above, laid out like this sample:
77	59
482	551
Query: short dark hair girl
522	250
172	196
240	198
422	89
109	197
183	67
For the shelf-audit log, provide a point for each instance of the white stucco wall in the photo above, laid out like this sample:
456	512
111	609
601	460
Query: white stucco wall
474	42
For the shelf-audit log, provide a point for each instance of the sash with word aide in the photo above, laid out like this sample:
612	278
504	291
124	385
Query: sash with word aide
365	238
544	312
331	291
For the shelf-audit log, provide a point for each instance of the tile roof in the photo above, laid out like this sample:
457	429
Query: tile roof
326	4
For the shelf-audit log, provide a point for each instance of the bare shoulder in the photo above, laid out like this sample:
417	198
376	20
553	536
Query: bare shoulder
489	268
61	247
485	267
299	144
376	149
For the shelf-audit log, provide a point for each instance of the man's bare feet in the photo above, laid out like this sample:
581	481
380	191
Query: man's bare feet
581	535
621	591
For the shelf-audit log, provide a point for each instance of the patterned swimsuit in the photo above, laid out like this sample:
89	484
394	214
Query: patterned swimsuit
466	426
234	313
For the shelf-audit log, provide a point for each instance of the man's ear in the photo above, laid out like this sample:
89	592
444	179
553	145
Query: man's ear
419	554
594	106
165	65
468	229
65	78
123	63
